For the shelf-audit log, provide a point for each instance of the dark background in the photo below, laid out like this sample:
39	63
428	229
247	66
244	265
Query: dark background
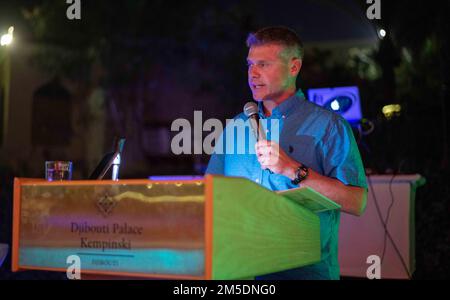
156	61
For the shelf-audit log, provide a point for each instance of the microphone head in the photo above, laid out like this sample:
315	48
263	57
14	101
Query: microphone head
250	109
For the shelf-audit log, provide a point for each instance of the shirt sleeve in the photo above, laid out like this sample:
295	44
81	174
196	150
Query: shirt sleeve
341	158
216	165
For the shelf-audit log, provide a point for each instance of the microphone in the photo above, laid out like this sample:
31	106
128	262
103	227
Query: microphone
251	111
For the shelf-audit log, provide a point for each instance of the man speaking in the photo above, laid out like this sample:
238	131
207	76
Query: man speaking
316	147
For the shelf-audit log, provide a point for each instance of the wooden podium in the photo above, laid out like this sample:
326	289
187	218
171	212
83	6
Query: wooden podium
212	228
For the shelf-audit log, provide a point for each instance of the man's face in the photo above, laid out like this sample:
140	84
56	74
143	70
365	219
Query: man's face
269	72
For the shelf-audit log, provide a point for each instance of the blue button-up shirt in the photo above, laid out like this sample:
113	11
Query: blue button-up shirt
313	136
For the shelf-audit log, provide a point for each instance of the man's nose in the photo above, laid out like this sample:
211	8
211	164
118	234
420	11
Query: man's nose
252	72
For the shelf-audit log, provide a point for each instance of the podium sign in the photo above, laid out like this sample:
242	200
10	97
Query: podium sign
131	227
213	228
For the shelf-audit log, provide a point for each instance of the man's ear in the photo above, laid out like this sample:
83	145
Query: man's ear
296	65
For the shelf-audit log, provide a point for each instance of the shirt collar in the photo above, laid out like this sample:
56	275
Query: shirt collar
286	107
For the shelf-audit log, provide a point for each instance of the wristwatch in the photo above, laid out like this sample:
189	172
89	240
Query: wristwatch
300	174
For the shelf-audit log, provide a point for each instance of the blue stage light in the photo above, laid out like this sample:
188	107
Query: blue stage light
342	100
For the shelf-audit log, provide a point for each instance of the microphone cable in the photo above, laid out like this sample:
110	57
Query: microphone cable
386	231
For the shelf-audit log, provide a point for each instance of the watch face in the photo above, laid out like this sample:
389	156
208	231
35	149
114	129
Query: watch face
303	172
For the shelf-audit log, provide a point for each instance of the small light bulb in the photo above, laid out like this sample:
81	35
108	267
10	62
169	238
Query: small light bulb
335	105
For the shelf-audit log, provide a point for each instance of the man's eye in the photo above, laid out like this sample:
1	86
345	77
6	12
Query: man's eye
261	65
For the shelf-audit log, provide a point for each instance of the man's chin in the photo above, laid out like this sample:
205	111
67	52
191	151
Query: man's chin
257	98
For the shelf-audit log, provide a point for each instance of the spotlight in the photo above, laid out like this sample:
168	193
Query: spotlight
7	39
391	110
341	100
339	104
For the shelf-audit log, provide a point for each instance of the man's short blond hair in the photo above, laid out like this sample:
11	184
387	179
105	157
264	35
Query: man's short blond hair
278	35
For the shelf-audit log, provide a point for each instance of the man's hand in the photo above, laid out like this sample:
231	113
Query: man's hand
352	199
272	157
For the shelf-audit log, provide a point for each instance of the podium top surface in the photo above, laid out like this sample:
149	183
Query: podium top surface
42	182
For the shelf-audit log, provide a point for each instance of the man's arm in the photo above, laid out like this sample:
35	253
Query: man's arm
352	199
